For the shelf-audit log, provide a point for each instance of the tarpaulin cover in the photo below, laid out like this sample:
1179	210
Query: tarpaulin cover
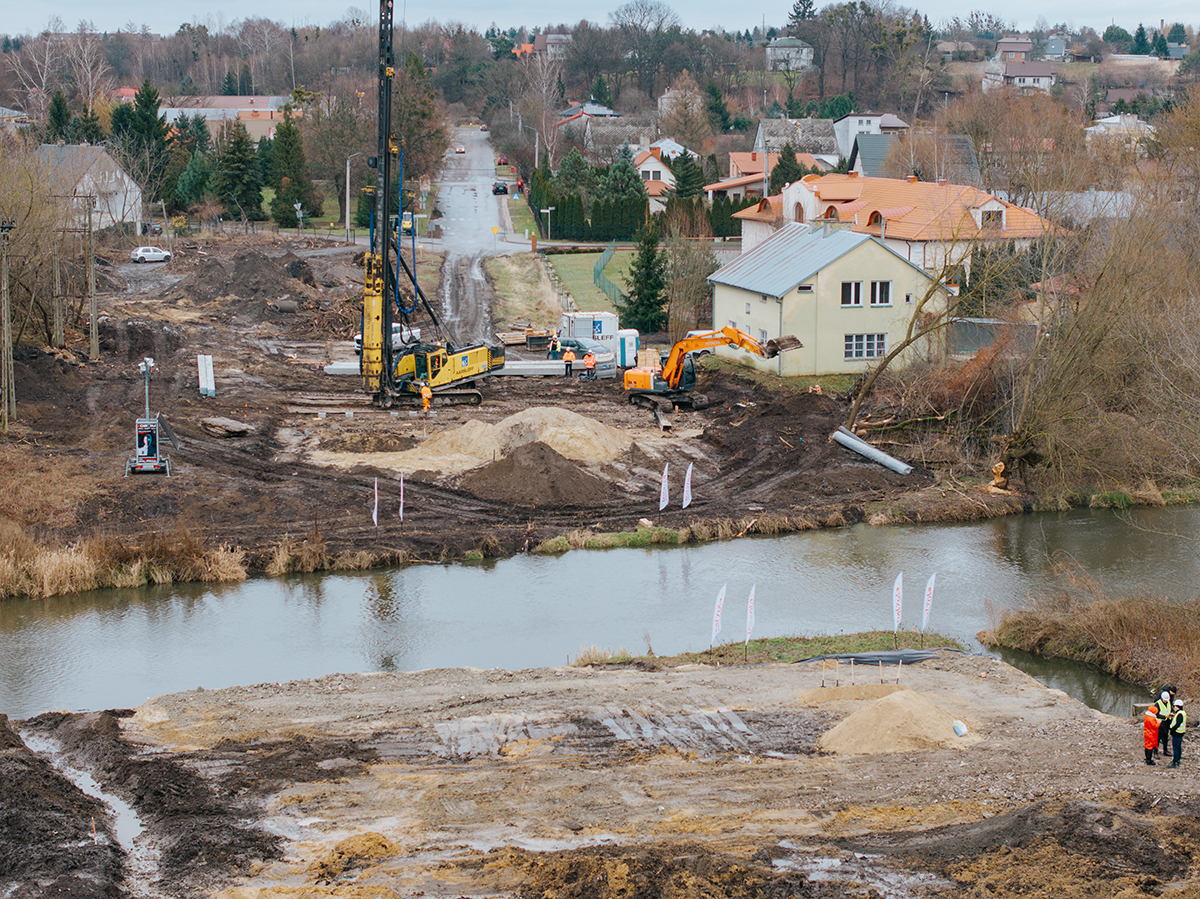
890	657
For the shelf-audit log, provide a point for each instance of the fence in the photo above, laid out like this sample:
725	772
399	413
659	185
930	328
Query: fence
602	280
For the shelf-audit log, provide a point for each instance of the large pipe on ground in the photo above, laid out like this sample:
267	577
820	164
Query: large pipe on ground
851	442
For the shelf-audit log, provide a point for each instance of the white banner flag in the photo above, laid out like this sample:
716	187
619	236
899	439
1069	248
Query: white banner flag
928	602
663	495
402	496
750	614
375	508
717	615
897	601
687	487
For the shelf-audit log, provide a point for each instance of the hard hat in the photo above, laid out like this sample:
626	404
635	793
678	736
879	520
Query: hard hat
1165	695
1178	702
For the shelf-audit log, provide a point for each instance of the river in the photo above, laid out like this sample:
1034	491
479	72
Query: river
116	648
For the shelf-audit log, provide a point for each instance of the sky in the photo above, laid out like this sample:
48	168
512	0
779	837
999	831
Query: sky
165	18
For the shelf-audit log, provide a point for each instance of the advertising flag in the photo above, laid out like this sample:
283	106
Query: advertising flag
717	615
375	508
402	496
928	602
750	614
687	487
897	601
663	496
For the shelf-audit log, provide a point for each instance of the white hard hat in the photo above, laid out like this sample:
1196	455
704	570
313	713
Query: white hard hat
1165	695
1178	702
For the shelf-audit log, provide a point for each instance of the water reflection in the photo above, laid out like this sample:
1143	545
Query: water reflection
1087	684
116	648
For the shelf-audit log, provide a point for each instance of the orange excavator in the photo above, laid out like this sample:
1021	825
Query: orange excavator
671	385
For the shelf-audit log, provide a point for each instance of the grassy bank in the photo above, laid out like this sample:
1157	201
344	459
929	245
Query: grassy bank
769	650
1149	640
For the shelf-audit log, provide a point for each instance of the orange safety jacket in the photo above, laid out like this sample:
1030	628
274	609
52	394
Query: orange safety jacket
1150	728
589	361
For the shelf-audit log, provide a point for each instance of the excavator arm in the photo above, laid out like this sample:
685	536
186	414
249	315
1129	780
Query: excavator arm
727	336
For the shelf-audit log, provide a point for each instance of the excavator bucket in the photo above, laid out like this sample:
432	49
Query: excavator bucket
781	344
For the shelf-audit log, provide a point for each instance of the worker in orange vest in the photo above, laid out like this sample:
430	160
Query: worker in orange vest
1150	733
569	358
589	365
426	396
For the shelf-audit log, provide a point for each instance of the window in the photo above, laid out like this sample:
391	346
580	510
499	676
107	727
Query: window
645	175
852	293
762	336
732	323
804	288
656	175
762	298
881	293
908	298
747	308
866	346
992	218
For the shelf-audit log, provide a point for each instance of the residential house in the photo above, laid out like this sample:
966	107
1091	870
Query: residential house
13	120
788	54
674	102
956	49
1014	48
84	172
1177	51
1024	77
1128	129
588	107
760	221
259	114
603	138
748	178
848	127
813	136
845	295
750	163
657	177
935	156
1055	46
930	223
554	46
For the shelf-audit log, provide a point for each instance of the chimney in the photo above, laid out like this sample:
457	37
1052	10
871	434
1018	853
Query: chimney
912	179
851	174
942	182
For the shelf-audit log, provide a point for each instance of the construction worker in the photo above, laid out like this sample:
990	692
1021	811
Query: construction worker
426	396
589	365
1150	733
569	358
1178	726
1162	708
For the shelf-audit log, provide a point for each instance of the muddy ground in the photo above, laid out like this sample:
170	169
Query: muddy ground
693	781
760	455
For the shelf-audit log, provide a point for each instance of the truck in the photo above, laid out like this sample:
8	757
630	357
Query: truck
671	384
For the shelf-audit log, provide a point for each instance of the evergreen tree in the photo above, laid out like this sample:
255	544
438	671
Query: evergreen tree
86	128
193	183
266	162
689	178
1141	43
645	299
58	123
1159	46
600	92
245	82
291	166
140	136
229	87
574	175
718	112
622	182
177	163
237	181
1177	34
787	170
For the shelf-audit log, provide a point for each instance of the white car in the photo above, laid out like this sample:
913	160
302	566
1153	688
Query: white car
402	336
150	254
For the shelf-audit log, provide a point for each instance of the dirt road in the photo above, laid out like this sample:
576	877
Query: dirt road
691	781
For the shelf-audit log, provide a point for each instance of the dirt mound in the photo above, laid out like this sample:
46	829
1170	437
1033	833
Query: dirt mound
39	375
535	475
814	698
251	277
208	280
901	722
298	268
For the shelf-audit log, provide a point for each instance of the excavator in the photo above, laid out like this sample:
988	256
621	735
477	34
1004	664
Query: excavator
395	374
671	385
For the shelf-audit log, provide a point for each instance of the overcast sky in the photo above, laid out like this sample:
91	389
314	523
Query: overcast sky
165	18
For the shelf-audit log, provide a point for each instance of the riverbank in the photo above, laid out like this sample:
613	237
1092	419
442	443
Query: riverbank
738	781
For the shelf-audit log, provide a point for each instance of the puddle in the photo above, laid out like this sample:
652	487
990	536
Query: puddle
860	868
141	856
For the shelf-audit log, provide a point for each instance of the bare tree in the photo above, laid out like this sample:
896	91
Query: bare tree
89	68
645	26
38	67
541	102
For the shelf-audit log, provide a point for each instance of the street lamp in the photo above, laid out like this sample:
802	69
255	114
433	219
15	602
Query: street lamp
348	158
299	217
548	211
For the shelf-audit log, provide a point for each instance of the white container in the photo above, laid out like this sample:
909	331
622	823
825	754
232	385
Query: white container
960	728
627	347
600	326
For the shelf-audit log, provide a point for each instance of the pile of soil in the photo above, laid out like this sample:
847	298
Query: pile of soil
251	277
535	475
900	722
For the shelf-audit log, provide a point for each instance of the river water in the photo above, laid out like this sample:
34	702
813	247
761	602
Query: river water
116	648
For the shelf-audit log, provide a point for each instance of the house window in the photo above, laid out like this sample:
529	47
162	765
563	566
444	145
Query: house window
747	308
762	298
645	175
881	293
732	323
908	299
852	293
804	288
992	218
762	336
656	175
866	346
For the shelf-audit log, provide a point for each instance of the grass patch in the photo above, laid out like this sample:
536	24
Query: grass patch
771	650
522	217
523	291
577	273
594	655
1147	640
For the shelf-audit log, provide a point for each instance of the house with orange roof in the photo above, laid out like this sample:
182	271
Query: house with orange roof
657	177
760	221
932	224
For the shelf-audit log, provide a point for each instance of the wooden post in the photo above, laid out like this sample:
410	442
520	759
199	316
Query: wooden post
8	387
59	336
89	264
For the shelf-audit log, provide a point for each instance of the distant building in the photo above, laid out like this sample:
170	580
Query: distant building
84	172
259	114
788	54
1015	47
848	127
553	45
1026	77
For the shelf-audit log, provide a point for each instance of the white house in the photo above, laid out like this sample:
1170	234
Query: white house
788	54
849	127
84	172
846	296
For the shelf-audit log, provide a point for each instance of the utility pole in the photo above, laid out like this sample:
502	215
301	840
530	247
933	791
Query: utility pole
59	337
89	263
8	385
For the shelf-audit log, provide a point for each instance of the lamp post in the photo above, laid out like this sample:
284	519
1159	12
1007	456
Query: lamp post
348	158
548	211
8	387
299	217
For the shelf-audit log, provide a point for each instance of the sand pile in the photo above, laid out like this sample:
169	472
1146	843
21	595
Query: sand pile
901	722
535	475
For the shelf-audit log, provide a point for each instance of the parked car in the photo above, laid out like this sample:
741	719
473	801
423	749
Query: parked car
483	127
402	335
606	361
501	159
499	187
460	149
149	228
150	254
